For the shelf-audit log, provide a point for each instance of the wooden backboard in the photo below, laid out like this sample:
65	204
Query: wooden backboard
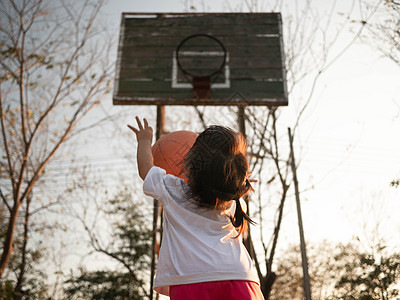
246	47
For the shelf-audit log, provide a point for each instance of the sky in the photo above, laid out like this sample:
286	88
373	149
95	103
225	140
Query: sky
348	138
348	142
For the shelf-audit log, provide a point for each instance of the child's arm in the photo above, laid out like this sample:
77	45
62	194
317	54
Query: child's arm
144	137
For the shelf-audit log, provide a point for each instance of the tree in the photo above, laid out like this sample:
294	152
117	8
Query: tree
383	31
29	284
101	285
339	271
54	70
369	277
128	245
322	268
383	34
309	43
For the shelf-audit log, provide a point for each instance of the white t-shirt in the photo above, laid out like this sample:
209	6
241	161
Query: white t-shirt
198	244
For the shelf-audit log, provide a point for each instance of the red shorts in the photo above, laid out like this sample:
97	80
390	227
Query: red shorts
217	290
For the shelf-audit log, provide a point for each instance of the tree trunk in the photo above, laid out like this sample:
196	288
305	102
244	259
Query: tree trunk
22	267
266	285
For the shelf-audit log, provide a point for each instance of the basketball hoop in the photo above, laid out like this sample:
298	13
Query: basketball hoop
201	83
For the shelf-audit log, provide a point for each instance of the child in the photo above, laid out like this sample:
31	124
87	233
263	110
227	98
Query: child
202	255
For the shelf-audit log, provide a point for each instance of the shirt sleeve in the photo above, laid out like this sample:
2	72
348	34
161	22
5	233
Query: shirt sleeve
157	184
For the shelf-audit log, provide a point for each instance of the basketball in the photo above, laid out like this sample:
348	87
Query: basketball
170	150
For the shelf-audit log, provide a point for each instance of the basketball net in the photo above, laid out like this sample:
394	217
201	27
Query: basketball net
201	84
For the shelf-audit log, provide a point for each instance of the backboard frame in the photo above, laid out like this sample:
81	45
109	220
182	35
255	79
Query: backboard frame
235	97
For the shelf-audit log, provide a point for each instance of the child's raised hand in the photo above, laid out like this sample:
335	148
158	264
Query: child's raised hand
144	137
144	133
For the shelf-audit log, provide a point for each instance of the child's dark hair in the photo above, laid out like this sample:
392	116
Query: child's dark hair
217	168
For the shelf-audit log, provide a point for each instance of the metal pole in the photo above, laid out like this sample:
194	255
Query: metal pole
156	206
306	277
242	128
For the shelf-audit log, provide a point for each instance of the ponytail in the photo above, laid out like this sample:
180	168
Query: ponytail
241	219
216	169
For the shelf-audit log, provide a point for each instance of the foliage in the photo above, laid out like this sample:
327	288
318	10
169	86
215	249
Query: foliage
34	280
338	272
101	285
395	183
7	290
370	277
129	247
322	271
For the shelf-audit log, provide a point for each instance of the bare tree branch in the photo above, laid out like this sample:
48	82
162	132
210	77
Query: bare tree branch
5	200
27	136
